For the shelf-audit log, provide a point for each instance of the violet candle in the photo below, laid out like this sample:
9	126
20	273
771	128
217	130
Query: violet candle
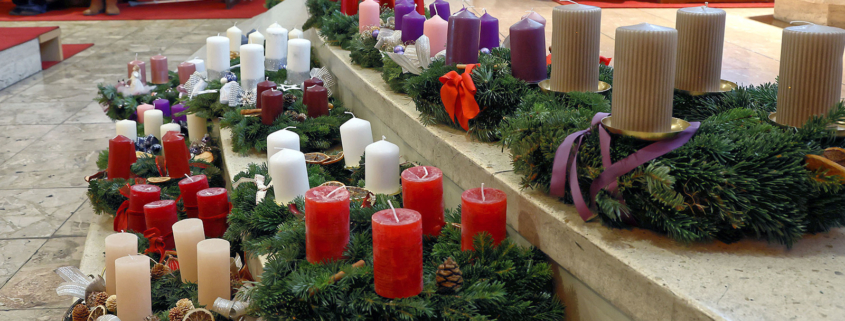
528	51
412	27
439	8
402	8
489	34
163	105
178	108
158	69
462	38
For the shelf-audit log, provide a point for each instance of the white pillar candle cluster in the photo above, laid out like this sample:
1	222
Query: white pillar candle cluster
252	66
234	34
381	173
276	55
281	139
118	245
299	60
355	135
576	31
256	38
701	38
187	234
127	128
133	287
217	51
170	127
290	177
212	271
197	127
153	119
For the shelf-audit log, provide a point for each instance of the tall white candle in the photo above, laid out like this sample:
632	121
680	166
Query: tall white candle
355	135
295	34
198	63
277	49
170	127
127	128
256	38
381	173
576	31
217	51
118	245
644	77
187	233
701	37
234	34
299	60
274	25
281	139
153	120
213	271
133	287
290	177
197	127
252	66
810	80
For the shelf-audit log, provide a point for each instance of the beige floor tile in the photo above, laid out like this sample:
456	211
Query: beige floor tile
35	283
15	254
37	212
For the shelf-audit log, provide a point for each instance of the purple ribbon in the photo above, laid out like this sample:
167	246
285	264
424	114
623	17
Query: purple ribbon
565	165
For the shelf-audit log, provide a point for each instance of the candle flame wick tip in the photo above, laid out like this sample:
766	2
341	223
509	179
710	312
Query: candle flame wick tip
394	211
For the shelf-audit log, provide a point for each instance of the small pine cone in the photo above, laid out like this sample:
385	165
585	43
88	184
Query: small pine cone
159	270
290	99
449	277
80	312
111	304
177	313
301	117
185	304
96	298
152	318
236	282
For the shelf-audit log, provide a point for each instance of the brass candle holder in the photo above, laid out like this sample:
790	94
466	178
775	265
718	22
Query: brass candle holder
724	86
545	86
678	125
838	127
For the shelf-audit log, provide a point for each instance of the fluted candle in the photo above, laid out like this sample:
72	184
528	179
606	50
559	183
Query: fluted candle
576	31
701	38
644	77
810	80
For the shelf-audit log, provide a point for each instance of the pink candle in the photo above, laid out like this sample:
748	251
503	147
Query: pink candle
140	111
435	29
422	191
142	65
158	69
483	212
397	253
186	69
326	223
368	15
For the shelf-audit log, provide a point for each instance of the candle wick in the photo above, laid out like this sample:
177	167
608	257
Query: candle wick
335	190
286	128
394	211
349	112
435	9
136	56
426	171
483	199
705	5
190	179
383	138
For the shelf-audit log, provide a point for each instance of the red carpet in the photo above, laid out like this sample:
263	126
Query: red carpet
646	4
12	36
68	51
206	9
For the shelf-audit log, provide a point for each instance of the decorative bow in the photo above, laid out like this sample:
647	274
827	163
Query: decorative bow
458	95
121	218
231	309
259	181
605	60
157	244
416	57
77	284
324	75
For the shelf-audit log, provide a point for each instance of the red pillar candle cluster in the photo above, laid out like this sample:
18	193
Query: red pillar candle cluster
349	7
188	189
317	101
158	69
326	223
176	155
485	212
140	195
272	105
213	210
397	253
422	191
162	215
121	157
308	83
262	87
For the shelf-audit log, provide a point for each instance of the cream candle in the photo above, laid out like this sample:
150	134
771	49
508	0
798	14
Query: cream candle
295	34
213	271
217	51
256	38
199	64
187	233
170	127
274	25
810	80
436	29
701	37
299	60
153	120
197	127
644	77
368	15
234	34
355	135
576	30
281	139
276	53
127	128
118	245
290	177
252	66
381	174
133	287
141	109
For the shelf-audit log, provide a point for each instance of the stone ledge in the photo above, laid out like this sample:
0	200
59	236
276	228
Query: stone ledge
823	12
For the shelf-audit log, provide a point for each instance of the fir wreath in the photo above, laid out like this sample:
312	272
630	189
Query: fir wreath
119	107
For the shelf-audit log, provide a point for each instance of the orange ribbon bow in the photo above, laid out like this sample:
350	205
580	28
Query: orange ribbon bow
458	95
157	244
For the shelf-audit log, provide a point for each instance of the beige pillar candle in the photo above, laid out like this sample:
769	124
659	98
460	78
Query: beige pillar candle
701	38
187	233
644	77
213	271
133	287
118	245
810	81
576	32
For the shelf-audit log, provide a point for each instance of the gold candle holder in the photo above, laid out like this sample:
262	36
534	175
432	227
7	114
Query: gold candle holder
545	86
838	127
678	125
724	86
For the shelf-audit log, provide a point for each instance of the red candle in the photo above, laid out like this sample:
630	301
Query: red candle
422	191
162	215
485	212
176	155
158	69
326	223
213	209
140	195
141	65
349	7
188	188
420	6
317	101
272	105
397	253
186	69
262	87
121	157
308	83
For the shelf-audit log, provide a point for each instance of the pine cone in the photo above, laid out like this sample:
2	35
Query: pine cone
185	304
449	277
236	282
159	270
152	318
111	304
177	313
80	312
96	298
290	99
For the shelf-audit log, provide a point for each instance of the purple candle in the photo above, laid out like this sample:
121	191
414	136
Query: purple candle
178	108
412	27
489	32
441	8
402	8
528	51
462	38
163	105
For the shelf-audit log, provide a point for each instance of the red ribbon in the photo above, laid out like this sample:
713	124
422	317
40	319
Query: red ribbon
121	218
157	244
605	60
458	95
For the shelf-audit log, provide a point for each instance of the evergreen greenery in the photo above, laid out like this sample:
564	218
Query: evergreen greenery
339	29
362	52
119	107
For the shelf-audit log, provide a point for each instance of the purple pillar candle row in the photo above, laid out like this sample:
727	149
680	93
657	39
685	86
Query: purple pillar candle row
163	105
462	38
440	8
528	51
402	8
489	34
413	25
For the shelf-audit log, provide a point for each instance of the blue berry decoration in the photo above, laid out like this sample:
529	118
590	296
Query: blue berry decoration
399	49
155	149
150	140
375	33
231	77
485	51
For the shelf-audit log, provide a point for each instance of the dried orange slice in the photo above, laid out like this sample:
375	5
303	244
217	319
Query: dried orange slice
205	156
198	315
158	180
97	312
334	158
333	183
316	158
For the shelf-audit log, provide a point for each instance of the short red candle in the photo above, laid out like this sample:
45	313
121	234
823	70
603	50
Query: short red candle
213	209
158	69
140	195
272	105
162	215
326	223
397	253
423	192
262	87
176	155
308	83
483	214
420	6
317	101
121	157
186	69
349	7
188	189
141	65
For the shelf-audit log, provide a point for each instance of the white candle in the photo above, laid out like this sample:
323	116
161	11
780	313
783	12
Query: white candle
127	128
355	135
274	25
170	127
118	245
197	127
295	34
436	30
644	77
234	34
141	109
290	177
256	38
153	119
252	66
213	271
381	174
276	55
133	287
187	233
810	81
701	37
299	55
281	139
198	63
217	51
368	15
576	32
